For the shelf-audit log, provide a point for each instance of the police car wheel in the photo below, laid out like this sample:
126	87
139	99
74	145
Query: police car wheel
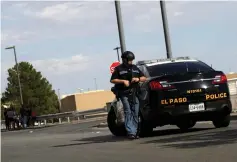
223	121
184	125
115	129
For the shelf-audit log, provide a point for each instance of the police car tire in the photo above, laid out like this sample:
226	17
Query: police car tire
223	121
115	129
184	125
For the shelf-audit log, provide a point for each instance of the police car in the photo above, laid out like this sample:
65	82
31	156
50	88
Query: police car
179	91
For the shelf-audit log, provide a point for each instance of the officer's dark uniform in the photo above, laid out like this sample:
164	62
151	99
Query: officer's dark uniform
128	95
125	72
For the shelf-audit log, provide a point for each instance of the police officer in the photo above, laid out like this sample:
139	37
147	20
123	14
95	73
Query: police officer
126	77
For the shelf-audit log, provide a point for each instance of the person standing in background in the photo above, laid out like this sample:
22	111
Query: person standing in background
33	117
6	119
11	115
23	114
28	117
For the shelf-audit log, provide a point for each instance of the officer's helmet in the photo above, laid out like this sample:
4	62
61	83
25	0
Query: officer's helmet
128	55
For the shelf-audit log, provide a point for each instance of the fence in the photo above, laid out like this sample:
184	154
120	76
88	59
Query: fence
67	116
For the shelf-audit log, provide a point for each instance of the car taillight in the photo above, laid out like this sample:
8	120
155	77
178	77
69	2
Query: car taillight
219	79
159	85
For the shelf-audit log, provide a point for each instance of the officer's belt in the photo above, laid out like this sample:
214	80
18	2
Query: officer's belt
130	93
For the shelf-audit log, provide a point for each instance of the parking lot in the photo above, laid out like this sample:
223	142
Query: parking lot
82	142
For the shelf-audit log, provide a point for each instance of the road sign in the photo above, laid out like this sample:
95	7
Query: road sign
113	65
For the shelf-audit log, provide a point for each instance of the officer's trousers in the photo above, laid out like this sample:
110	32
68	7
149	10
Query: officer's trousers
131	110
24	121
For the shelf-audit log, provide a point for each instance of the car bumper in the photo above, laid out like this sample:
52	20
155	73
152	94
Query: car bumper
172	113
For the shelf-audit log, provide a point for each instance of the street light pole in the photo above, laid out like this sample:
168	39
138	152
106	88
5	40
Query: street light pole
166	29
95	84
59	100
17	70
117	48
120	26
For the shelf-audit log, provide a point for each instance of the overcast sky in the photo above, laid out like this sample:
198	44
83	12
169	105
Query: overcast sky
72	43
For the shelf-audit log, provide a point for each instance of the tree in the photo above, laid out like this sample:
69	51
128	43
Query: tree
37	92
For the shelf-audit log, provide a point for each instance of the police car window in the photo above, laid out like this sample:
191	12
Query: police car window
143	70
198	67
164	69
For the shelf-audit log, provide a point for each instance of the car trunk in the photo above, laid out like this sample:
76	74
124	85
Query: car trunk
190	87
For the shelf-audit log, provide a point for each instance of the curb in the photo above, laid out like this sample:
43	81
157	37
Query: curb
101	125
105	124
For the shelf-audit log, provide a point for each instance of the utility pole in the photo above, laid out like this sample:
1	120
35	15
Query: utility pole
80	90
166	29
59	100
120	26
117	49
95	84
17	71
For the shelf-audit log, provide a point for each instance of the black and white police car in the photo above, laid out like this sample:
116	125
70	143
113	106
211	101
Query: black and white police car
179	91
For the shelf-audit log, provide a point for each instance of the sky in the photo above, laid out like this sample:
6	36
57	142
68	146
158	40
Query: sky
72	43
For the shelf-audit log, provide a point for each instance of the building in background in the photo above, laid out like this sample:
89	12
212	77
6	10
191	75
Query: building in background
86	100
232	82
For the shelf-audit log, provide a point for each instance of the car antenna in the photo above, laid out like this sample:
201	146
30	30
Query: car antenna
186	66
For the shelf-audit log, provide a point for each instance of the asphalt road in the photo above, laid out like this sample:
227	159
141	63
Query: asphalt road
81	142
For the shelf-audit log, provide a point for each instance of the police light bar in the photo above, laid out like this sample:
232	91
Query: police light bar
163	60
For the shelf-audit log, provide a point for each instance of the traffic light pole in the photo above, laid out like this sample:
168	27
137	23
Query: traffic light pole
120	26
166	29
164	21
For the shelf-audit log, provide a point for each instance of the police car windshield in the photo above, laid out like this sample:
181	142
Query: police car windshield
178	68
